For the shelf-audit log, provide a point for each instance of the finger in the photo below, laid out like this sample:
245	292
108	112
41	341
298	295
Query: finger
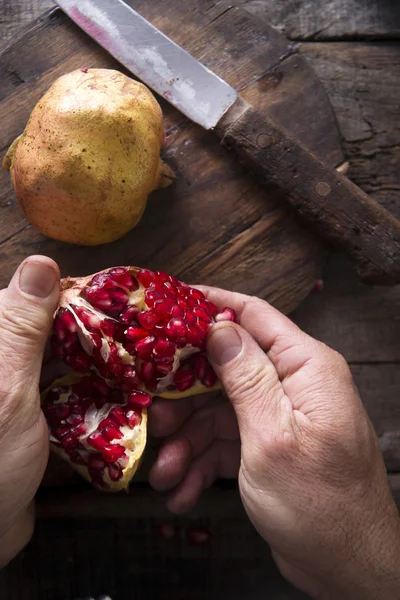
171	465
26	313
215	421
167	416
221	460
250	380
287	345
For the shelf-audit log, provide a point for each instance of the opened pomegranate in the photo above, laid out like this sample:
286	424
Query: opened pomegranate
131	334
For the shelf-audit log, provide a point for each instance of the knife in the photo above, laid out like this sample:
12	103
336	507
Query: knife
337	209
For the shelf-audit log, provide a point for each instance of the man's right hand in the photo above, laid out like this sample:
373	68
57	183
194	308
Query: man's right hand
311	476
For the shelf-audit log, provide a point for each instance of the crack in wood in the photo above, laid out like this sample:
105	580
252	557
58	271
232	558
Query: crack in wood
10	237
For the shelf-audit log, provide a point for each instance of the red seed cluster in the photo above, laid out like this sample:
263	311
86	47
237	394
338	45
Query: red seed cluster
175	316
65	408
128	327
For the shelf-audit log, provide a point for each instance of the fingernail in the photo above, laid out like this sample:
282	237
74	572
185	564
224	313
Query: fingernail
224	345
37	279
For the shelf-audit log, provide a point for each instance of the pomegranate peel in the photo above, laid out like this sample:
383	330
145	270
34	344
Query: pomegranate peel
131	334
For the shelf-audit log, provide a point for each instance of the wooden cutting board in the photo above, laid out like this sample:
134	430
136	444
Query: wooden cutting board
216	224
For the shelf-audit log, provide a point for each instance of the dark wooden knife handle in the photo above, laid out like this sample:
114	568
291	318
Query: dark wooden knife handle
337	209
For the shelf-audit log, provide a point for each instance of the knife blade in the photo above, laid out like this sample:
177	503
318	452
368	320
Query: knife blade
336	208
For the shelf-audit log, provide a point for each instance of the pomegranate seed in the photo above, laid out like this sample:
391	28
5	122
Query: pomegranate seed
62	410
182	303
118	296
112	433
146	277
78	409
160	276
128	315
177	311
61	432
204	304
118	415
194	336
133	418
148	319
76	457
79	362
130	379
97	478
200	366
100	385
199	535
87	317
165	367
105	423
163	307
226	314
68	321
190	318
153	294
114	472
184	378
144	348
98	298
75	419
202	314
175	328
96	340
202	326
166	530
79	430
148	372
112	453
140	399
121	276
109	328
212	308
84	69
69	443
134	334
164	348
97	441
318	285
181	342
95	461
197	294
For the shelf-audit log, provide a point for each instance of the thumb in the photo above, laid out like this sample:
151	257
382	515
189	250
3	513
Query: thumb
26	313
248	377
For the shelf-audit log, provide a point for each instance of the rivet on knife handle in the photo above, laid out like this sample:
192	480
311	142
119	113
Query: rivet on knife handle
336	208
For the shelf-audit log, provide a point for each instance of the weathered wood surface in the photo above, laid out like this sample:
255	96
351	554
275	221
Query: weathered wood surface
245	240
363	83
298	19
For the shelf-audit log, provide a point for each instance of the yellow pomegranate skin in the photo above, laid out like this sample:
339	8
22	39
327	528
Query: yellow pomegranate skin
89	157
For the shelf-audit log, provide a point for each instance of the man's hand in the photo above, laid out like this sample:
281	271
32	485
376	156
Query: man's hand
311	476
26	311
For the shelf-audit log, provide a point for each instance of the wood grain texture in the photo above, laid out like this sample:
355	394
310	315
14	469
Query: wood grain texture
300	20
313	20
126	558
216	224
363	83
328	202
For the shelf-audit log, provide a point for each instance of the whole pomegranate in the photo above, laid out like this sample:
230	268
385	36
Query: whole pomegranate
127	334
89	157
